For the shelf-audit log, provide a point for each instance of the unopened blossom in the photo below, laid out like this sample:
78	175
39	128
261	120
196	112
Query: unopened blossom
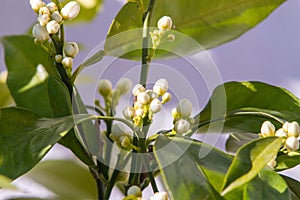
155	106
128	112
40	32
67	62
138	88
105	87
71	49
159	196
267	129
182	126
124	85
135	191
184	108
36	5
164	23
292	144
161	86
53	27
52	7
56	16
70	10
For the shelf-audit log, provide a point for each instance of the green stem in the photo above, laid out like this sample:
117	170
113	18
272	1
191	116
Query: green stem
145	59
112	180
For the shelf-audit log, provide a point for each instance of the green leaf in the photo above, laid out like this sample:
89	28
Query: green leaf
200	168
66	179
87	130
209	23
88	10
37	88
26	138
5	98
237	140
267	185
249	161
294	186
244	106
287	161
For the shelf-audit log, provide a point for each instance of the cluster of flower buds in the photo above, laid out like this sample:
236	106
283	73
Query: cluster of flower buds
121	137
289	132
164	24
106	90
182	116
50	17
70	50
147	102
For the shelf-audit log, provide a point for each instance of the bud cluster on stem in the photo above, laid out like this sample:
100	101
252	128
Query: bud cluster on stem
182	116
289	132
164	24
147	102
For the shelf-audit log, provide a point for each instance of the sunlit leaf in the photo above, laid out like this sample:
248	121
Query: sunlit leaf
287	161
209	23
244	106
249	161
5	97
46	96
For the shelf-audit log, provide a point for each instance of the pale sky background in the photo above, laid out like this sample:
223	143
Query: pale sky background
269	52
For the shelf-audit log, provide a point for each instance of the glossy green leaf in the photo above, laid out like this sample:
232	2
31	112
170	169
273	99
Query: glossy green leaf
267	185
200	168
249	161
287	161
5	97
294	186
88	10
247	105
237	140
209	23
67	179
25	138
41	91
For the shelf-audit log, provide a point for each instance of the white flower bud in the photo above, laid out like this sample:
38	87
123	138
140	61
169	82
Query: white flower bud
159	196
143	98
70	10
155	38
40	32
267	129
292	144
44	11
152	94
71	49
164	23
124	85
182	126
171	37
281	133
166	97
36	5
125	141
67	62
58	58
155	106
43	19
128	112
138	105
184	108
138	88
139	112
52	7
285	126
135	191
105	87
272	163
53	27
56	16
293	129
161	86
